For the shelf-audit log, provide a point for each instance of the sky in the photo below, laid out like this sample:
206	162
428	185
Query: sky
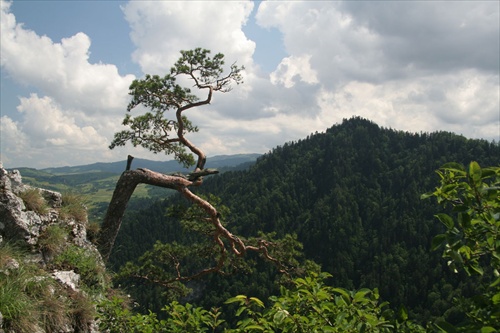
417	66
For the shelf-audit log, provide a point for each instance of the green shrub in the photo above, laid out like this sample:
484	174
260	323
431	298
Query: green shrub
83	262
471	241
34	200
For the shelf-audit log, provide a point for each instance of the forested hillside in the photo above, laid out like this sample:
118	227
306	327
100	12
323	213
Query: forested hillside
352	196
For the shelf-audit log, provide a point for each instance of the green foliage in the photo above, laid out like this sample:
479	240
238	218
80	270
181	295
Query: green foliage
352	197
83	262
34	200
309	306
471	240
32	301
116	317
312	306
155	131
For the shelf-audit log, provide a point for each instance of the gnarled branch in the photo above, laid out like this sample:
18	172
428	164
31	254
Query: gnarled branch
152	131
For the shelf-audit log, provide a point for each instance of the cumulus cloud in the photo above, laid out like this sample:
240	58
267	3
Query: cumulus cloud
418	66
464	103
46	129
82	105
294	67
61	70
408	65
46	124
160	29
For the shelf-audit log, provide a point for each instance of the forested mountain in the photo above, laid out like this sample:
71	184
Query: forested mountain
352	196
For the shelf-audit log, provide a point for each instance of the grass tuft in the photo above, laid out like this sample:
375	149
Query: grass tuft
34	201
17	306
73	207
53	239
83	262
93	229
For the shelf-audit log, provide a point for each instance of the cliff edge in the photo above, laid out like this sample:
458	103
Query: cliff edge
51	275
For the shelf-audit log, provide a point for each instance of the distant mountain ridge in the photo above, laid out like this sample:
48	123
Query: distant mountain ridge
219	161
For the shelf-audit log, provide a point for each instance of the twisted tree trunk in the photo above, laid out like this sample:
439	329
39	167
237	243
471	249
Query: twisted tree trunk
162	95
124	189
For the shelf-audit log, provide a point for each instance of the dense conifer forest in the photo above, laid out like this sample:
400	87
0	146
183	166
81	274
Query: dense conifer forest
352	197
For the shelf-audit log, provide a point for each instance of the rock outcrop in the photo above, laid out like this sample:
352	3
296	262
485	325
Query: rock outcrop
55	248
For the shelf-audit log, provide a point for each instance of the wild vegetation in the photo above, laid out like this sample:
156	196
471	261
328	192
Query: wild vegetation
339	218
470	241
31	300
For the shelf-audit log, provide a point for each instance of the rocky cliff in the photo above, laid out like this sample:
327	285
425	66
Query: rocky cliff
51	275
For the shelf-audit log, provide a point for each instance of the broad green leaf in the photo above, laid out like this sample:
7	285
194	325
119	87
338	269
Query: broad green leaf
427	195
254	327
360	295
495	283
465	250
402	313
280	316
342	292
477	269
238	298
446	220
437	241
496	298
456	257
488	329
475	172
257	301
445	327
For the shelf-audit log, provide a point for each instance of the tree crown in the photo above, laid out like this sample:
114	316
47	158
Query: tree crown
155	131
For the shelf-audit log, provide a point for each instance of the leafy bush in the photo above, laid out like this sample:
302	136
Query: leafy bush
34	200
471	241
310	306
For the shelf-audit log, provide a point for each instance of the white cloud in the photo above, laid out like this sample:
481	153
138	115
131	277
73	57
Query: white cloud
464	103
82	106
46	125
417	66
9	134
292	67
61	70
160	29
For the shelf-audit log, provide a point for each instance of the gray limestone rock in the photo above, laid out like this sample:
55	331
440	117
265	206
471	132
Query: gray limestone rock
20	225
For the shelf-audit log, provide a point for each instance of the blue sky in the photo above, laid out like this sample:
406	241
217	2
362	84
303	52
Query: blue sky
413	66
